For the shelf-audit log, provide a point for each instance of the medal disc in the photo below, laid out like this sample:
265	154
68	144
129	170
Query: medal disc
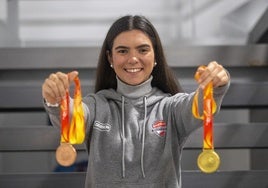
208	161
66	154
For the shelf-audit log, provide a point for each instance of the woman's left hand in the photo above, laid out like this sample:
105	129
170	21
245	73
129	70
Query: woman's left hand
212	72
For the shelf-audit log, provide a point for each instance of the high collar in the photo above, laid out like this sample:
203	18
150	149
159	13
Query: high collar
134	91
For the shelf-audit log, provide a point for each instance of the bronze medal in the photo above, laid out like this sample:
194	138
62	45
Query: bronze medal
208	161
66	154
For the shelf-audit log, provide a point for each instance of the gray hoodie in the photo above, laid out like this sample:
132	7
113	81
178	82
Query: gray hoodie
135	135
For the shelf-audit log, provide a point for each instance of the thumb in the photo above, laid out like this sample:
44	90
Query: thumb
72	75
199	71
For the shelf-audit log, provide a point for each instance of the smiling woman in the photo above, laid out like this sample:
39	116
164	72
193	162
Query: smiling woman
138	118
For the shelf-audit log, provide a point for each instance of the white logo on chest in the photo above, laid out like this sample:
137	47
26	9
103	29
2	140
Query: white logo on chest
102	126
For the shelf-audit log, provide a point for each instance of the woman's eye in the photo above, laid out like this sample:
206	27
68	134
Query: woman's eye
122	51
143	50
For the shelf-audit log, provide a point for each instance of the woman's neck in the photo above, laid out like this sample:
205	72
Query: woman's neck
134	91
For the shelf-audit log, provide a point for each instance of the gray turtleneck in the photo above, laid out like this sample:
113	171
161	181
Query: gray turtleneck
134	91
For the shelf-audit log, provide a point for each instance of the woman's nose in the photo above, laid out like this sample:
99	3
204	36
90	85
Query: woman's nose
133	58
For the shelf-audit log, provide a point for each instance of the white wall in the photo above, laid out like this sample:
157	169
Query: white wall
85	22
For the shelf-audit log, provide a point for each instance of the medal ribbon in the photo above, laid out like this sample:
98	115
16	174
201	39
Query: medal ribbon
209	108
74	132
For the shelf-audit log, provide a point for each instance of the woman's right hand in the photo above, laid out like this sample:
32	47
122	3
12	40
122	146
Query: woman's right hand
55	86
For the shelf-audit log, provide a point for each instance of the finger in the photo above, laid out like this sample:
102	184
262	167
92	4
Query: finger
198	72
221	79
219	75
65	80
50	98
209	74
72	75
62	83
49	92
56	84
51	83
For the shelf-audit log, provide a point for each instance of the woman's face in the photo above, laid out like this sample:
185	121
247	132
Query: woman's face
132	57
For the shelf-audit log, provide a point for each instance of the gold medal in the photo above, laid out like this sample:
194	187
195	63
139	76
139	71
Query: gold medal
66	154
208	161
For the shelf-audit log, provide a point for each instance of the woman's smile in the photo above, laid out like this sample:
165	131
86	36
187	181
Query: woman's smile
133	70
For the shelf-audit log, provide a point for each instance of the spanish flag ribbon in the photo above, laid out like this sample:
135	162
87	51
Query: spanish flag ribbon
209	108
74	132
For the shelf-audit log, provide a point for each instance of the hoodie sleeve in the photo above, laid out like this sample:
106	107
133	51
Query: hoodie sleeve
54	113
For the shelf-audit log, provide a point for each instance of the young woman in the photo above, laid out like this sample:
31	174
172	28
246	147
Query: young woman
138	118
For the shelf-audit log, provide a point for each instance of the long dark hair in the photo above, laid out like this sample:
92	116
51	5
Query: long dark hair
163	77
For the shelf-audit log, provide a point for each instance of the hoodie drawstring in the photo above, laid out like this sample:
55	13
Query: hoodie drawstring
143	136
124	139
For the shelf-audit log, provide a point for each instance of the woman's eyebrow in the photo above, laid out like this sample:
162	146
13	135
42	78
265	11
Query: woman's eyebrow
120	47
143	45
139	46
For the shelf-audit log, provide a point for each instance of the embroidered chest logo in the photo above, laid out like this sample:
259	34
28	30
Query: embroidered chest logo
160	128
102	126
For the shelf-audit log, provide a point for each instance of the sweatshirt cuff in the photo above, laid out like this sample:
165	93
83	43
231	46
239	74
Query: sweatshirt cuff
51	109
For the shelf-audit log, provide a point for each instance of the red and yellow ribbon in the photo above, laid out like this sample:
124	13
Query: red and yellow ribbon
209	108
74	132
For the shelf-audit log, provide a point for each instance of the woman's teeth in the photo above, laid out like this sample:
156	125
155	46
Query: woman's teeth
133	70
